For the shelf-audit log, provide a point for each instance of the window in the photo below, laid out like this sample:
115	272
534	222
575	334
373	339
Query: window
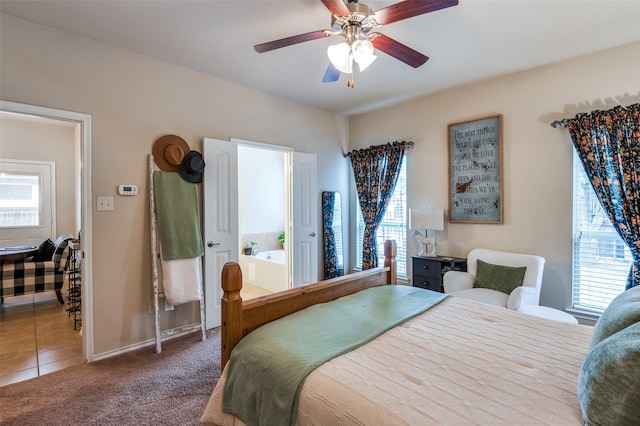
601	260
19	200
27	200
393	226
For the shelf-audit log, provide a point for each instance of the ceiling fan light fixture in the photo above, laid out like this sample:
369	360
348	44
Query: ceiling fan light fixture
362	47
340	56
365	61
363	53
347	67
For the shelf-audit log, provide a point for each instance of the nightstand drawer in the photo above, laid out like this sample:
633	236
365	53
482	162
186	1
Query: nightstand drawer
429	282
430	268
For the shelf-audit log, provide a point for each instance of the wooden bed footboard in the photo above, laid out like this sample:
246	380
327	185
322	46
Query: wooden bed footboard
240	318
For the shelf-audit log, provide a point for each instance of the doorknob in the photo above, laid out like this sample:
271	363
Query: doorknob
212	244
313	234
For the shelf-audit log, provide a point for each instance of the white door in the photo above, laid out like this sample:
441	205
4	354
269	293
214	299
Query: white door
305	219
220	189
27	202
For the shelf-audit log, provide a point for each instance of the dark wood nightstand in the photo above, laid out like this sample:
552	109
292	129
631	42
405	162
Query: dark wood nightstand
428	271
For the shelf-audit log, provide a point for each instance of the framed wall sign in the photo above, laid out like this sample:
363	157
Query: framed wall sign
475	170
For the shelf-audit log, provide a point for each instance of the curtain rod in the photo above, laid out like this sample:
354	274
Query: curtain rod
558	124
409	145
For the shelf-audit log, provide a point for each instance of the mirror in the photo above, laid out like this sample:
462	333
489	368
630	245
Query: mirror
332	235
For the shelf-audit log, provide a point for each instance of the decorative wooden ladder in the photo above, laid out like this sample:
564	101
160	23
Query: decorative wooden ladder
164	335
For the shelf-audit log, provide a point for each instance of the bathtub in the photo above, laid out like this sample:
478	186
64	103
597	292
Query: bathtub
266	269
276	256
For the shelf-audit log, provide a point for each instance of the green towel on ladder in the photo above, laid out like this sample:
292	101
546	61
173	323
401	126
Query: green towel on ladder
177	216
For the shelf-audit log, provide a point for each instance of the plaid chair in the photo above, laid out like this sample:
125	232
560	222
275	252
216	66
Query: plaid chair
26	276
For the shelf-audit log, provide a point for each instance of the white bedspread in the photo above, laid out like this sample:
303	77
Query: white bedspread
462	362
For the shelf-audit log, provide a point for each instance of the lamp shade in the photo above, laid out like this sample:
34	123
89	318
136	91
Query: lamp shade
431	219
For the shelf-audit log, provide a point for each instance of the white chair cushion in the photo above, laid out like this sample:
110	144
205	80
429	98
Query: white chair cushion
484	295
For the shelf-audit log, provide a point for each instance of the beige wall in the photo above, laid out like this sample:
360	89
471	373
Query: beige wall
46	140
134	100
537	158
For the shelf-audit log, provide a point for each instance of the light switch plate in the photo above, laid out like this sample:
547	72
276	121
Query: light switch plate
104	204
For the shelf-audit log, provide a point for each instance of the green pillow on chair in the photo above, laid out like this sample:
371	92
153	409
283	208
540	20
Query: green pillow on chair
499	277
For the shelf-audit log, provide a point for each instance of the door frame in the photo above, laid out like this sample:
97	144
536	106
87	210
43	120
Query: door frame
84	120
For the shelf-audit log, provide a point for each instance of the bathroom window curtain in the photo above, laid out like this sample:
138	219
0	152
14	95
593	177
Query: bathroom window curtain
608	144
375	170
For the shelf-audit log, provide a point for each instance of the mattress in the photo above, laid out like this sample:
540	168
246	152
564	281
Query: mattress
461	362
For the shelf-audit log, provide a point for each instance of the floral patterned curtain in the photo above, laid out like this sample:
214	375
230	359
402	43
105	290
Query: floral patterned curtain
330	252
375	170
608	143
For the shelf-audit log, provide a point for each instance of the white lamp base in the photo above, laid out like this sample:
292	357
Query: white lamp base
428	247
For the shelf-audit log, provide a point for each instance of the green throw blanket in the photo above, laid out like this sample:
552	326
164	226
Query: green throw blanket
268	367
177	216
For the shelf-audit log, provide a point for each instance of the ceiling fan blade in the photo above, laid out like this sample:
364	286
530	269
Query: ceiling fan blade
398	50
288	41
332	74
409	8
336	7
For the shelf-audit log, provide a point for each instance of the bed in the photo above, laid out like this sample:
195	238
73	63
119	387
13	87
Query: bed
459	362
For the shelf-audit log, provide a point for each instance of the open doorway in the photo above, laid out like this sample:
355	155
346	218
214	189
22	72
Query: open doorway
263	219
71	154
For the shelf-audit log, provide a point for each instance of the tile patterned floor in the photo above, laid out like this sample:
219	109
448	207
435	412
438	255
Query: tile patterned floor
250	291
36	338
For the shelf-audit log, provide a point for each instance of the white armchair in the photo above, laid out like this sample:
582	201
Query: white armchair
461	284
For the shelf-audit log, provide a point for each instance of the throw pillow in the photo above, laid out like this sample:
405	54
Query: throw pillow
45	251
499	277
609	380
623	311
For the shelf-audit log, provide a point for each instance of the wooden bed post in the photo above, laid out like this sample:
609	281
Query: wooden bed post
390	253
231	328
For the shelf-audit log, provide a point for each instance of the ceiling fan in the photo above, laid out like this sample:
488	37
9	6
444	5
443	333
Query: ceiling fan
354	21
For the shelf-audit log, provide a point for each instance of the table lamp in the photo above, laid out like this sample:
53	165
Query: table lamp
427	219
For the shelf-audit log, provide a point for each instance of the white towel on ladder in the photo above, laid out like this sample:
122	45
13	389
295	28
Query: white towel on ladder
182	280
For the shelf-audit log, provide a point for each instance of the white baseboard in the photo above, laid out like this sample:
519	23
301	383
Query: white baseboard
141	345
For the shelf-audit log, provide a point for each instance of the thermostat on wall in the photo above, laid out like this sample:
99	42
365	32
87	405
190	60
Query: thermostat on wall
128	189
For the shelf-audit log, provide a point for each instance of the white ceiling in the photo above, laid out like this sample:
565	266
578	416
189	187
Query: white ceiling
475	40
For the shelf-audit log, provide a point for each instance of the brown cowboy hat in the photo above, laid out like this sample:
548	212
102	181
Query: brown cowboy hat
168	152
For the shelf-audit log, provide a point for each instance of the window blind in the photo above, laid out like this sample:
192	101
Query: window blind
601	260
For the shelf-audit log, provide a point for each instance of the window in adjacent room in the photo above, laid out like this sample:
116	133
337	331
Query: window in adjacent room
393	226
27	201
601	260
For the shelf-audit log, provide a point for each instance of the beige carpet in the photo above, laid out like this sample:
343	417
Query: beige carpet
137	388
